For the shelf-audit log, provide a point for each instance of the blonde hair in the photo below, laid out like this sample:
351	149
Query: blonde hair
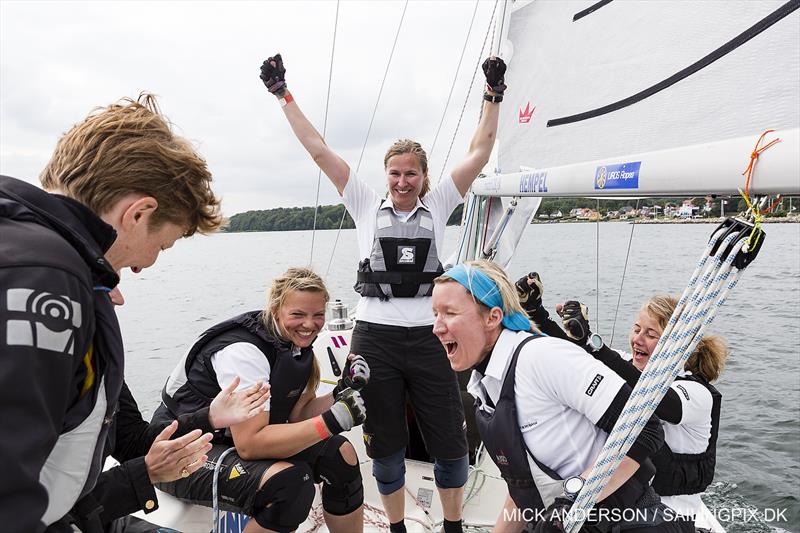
508	293
294	279
129	147
407	146
708	358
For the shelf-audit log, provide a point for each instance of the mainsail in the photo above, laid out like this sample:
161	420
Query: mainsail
648	98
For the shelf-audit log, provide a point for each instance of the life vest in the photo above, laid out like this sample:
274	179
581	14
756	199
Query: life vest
193	384
689	473
404	260
534	486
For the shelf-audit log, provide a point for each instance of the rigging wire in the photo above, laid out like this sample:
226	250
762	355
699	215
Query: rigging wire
324	130
469	91
369	130
455	77
597	270
622	281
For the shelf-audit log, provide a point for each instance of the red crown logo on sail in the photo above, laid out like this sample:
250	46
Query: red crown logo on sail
526	114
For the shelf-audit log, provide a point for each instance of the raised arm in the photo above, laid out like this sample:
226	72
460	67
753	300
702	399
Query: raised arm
480	147
273	74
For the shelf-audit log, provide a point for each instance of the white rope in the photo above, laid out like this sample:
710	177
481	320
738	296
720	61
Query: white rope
707	290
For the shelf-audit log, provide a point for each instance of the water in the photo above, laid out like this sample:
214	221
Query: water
206	279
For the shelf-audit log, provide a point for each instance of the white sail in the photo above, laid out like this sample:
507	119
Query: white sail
693	135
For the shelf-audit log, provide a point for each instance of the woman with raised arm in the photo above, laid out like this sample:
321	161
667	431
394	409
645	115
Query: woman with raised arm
690	411
295	441
544	409
400	240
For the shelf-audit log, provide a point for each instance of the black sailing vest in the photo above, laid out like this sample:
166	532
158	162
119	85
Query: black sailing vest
404	261
193	385
503	439
689	473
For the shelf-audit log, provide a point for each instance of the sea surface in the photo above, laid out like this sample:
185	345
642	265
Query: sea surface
206	279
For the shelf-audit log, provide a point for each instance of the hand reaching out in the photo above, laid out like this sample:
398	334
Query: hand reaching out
169	460
230	407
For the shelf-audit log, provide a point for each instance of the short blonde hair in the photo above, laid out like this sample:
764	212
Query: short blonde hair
508	293
129	147
708	358
407	146
294	279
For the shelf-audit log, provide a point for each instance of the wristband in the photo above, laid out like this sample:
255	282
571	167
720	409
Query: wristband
287	99
493	98
322	429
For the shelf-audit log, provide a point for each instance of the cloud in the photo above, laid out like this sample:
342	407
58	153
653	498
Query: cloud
59	60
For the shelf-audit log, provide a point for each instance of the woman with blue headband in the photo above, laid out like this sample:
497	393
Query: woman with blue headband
544	409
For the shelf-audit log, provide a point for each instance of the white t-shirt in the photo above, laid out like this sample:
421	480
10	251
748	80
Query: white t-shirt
246	361
561	392
362	202
691	435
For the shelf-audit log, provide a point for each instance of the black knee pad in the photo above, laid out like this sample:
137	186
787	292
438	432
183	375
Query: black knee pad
285	499
342	490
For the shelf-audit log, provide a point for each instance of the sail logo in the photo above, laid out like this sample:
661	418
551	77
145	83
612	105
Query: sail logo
623	176
525	115
533	182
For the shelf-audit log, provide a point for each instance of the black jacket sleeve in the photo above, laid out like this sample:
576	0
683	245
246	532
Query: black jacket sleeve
651	437
126	488
670	409
547	325
41	374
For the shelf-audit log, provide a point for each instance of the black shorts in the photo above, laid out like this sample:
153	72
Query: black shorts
409	364
238	479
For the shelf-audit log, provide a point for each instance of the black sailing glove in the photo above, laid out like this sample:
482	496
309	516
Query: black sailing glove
553	521
494	69
575	318
530	290
347	412
354	376
273	74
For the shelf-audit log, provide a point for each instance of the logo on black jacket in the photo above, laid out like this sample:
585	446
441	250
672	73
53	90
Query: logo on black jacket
42	320
593	385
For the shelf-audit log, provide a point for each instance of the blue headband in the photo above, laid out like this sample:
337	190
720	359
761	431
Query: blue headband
485	290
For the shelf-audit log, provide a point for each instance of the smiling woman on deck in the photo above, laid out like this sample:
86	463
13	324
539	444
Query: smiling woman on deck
399	241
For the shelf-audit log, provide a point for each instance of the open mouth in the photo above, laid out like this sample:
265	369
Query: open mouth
136	269
450	347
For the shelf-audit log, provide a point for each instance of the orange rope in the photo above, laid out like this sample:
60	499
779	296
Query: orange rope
754	156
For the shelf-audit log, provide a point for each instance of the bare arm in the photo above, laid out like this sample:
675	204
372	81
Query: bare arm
273	75
331	164
480	148
258	439
313	406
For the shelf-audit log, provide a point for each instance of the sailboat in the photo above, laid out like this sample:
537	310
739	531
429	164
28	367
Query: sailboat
608	100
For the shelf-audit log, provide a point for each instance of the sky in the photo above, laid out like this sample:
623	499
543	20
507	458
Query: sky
59	60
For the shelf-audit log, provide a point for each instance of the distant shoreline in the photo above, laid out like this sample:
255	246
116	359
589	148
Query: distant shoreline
710	220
